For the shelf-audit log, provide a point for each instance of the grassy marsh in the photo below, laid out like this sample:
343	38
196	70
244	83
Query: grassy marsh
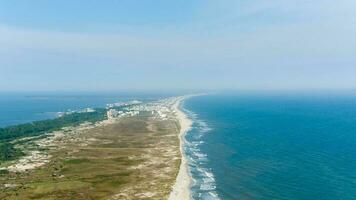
133	158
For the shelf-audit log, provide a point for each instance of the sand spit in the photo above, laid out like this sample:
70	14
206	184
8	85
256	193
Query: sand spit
115	145
181	188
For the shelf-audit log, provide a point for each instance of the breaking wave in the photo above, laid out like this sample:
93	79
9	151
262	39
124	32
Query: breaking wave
204	185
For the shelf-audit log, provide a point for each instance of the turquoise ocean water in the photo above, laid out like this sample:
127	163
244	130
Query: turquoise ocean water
273	146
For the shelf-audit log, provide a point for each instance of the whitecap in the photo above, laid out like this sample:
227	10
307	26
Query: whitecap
203	185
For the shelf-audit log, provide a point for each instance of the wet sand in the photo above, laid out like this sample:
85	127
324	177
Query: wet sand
181	188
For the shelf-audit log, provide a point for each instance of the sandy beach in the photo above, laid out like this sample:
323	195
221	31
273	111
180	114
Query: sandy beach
181	188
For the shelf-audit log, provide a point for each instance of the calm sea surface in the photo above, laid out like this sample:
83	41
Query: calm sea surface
280	146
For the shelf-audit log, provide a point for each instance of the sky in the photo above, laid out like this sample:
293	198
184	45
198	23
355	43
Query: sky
50	45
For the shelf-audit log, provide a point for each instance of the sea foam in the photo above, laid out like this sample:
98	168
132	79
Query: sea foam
204	186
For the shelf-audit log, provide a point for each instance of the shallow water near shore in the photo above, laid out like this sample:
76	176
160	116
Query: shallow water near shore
272	146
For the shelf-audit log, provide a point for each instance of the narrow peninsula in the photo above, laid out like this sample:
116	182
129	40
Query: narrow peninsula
129	150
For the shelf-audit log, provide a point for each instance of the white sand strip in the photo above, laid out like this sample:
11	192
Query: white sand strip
181	188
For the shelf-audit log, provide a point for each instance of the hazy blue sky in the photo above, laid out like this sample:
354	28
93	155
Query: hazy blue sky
163	44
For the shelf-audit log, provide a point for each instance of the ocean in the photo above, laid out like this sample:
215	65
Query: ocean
243	146
295	146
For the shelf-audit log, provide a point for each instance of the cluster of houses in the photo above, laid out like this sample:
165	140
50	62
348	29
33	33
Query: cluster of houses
120	104
159	109
112	113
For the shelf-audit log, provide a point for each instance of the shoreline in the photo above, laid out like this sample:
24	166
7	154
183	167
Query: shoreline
180	179
181	188
97	150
